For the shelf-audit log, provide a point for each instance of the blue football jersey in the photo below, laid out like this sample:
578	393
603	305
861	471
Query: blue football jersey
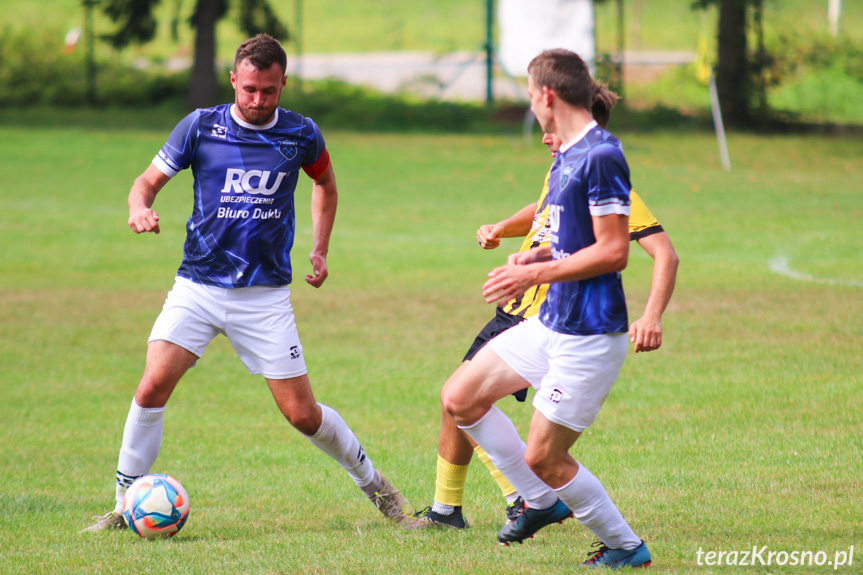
241	229
590	178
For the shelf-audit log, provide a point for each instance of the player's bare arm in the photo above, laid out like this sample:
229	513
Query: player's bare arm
325	198
142	217
646	332
532	256
517	225
608	254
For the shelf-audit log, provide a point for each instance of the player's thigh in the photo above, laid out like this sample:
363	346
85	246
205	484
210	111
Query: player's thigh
191	317
482	381
582	370
262	328
166	364
523	349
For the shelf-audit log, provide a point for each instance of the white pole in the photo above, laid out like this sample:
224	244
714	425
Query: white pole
834	7
717	121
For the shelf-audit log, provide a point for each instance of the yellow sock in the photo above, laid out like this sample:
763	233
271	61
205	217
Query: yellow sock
449	485
505	486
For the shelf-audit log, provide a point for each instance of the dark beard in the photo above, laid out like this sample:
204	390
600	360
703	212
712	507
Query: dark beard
256	116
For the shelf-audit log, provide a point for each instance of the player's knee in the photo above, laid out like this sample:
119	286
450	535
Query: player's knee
538	463
448	404
464	409
305	422
453	404
149	394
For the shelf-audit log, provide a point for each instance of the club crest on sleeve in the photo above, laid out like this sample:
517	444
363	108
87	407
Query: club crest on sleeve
288	149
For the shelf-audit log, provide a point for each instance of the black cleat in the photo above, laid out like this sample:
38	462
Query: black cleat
514	509
617	558
532	520
429	518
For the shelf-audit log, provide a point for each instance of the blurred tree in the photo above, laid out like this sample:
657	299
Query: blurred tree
136	24
737	79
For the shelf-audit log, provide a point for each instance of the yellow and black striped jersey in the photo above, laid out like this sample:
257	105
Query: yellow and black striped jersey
641	224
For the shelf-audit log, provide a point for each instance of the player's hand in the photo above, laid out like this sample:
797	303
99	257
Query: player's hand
489	235
646	334
144	220
319	270
520	259
529	257
507	282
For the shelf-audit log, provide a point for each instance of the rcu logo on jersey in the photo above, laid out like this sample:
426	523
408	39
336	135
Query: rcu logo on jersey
251	182
554	211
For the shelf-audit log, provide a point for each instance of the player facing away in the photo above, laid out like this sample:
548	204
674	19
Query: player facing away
572	351
236	269
455	448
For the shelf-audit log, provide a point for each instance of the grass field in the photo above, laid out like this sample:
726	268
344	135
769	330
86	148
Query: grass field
743	430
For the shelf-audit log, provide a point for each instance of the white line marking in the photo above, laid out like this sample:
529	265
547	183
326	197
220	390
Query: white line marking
782	265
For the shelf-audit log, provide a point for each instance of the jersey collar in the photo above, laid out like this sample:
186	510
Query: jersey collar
575	140
249	126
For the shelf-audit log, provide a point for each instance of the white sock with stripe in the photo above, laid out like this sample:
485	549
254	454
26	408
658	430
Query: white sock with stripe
591	505
142	439
336	439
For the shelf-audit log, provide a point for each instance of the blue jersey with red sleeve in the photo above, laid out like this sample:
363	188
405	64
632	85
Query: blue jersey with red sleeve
241	229
589	177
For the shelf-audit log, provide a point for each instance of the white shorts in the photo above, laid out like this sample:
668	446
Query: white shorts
572	374
258	321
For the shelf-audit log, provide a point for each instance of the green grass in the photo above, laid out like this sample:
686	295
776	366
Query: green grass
742	430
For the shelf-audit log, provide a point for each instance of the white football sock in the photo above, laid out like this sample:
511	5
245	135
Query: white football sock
591	505
442	509
142	439
504	446
336	439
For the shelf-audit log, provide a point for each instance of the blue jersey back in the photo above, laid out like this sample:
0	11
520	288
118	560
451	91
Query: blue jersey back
241	229
591	178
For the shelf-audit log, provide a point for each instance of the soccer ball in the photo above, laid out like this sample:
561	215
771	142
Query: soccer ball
156	506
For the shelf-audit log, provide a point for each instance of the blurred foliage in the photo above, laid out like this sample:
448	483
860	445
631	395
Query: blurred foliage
808	78
818	78
35	70
134	19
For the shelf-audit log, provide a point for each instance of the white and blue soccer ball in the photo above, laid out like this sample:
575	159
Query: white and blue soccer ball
156	506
